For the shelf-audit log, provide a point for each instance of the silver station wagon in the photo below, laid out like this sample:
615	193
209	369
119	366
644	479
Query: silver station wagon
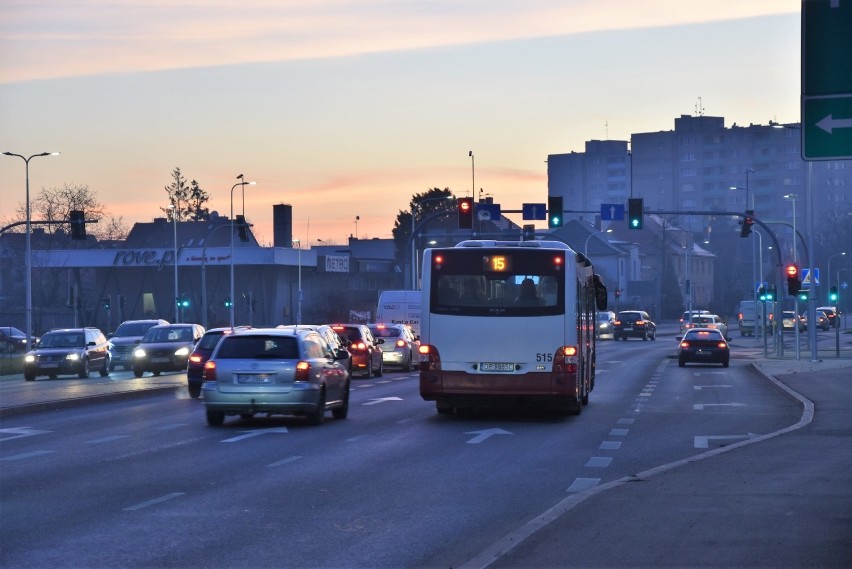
275	371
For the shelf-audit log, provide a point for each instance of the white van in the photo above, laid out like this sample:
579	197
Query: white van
750	313
400	307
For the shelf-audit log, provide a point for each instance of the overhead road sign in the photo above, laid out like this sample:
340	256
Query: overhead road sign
535	211
826	80
612	211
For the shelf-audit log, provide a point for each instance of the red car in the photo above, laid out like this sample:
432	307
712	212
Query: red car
366	354
199	356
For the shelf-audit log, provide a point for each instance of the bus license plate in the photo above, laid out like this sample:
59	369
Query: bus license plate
496	366
254	378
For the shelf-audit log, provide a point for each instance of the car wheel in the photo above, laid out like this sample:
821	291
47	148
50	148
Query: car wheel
156	372
215	418
111	366
137	371
681	362
443	408
725	363
29	376
318	415
194	391
381	371
654	336
369	374
343	411
84	370
105	370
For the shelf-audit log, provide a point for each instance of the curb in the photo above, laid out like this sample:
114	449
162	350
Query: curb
82	401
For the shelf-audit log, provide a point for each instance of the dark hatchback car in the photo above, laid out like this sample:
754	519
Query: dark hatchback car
166	348
703	345
68	351
12	339
202	352
634	324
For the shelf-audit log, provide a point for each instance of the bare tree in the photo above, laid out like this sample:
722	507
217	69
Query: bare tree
55	205
187	202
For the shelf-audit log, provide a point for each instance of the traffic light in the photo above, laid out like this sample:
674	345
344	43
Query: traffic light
465	208
78	224
106	302
761	294
529	232
242	228
772	293
748	221
554	211
794	281
635	210
228	302
832	294
804	295
182	302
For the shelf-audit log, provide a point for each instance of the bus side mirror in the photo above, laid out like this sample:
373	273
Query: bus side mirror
600	292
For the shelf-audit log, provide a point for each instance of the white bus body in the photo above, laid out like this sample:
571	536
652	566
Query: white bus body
482	341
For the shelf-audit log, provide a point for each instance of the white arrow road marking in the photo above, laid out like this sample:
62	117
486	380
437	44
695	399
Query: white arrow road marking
700	387
256	432
704	442
18	432
829	123
701	406
483	435
381	400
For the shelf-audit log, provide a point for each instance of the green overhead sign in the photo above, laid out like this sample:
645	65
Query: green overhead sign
826	79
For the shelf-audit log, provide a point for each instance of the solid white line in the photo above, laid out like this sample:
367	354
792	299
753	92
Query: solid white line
285	461
107	439
24	455
154	501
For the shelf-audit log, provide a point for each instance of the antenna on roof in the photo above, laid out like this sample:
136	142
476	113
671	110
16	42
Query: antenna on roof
699	108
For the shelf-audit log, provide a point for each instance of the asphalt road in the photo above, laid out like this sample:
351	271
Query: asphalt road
146	483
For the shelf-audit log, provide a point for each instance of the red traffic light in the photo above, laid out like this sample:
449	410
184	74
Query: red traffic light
465	211
792	270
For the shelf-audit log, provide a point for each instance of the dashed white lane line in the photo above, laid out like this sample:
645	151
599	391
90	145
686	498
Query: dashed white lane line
610	445
153	502
581	484
599	462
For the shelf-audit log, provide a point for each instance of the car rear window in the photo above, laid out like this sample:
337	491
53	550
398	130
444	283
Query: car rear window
703	335
385	332
629	316
351	334
259	347
208	341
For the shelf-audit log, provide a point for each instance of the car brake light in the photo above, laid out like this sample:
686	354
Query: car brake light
684	344
617	322
195	358
400	343
209	373
360	346
721	345
303	372
640	322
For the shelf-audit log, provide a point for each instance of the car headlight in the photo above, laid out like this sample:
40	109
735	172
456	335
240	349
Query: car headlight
139	353
72	357
182	351
29	358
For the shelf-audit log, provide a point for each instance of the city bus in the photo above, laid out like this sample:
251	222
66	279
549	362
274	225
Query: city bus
508	322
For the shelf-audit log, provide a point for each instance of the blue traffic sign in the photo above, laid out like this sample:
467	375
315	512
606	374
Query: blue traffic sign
535	211
612	211
488	211
806	277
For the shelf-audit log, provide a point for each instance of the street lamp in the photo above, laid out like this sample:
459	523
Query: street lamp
242	183
177	294
792	198
28	261
299	301
586	246
472	174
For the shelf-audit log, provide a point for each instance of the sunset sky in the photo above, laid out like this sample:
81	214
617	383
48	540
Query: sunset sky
347	108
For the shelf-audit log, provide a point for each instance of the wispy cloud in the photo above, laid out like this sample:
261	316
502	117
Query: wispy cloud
54	38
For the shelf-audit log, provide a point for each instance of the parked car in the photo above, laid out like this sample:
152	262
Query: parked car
399	348
201	353
12	339
275	371
831	312
709	321
123	341
68	351
605	324
166	348
367	356
634	324
703	345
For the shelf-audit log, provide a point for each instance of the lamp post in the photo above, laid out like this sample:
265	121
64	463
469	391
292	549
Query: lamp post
299	300
472	174
28	260
414	207
173	207
242	183
586	246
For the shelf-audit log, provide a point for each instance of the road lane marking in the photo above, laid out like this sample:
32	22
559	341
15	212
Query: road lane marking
704	441
610	445
700	387
618	432
153	502
255	433
701	406
107	439
381	400
599	462
24	455
18	432
626	421
581	484
484	435
284	461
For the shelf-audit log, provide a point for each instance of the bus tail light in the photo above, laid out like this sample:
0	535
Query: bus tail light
303	372
565	360
209	372
430	360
